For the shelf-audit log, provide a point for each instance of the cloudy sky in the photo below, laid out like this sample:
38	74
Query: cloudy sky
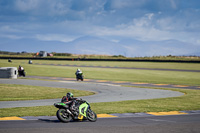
143	27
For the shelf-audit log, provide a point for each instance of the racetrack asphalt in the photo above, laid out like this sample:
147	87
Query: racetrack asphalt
144	124
104	92
128	122
151	122
117	82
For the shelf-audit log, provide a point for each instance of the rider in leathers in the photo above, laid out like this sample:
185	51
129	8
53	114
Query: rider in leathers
69	101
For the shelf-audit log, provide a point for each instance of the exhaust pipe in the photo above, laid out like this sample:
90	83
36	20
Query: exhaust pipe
68	111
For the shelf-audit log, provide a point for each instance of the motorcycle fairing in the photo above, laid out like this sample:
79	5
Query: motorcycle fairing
83	109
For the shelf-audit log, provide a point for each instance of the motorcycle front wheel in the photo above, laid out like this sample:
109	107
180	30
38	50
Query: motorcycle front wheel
63	116
24	74
91	115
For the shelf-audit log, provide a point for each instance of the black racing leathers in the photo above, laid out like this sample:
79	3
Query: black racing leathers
70	102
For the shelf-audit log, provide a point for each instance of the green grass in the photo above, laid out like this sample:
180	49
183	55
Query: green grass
25	92
130	75
68	55
161	65
189	101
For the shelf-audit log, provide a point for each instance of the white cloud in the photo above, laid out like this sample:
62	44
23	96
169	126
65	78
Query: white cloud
8	28
143	21
114	40
26	5
55	37
140	28
198	42
173	4
10	36
151	27
114	20
58	8
150	15
119	4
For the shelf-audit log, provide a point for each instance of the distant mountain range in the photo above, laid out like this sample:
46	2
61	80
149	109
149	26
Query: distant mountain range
95	45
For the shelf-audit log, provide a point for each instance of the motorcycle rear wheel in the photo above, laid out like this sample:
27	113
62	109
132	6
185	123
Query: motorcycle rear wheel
63	116
91	115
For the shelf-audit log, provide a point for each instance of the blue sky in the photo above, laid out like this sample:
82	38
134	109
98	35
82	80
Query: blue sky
136	26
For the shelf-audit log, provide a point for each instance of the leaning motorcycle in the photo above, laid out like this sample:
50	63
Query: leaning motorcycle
21	73
79	76
82	111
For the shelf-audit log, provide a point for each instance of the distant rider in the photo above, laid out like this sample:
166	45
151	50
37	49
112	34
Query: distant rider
78	71
20	68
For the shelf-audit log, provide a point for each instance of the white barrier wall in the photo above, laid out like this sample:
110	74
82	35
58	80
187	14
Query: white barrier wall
8	72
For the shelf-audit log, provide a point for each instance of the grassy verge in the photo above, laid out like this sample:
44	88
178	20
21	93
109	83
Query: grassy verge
161	65
189	101
130	75
68	55
25	92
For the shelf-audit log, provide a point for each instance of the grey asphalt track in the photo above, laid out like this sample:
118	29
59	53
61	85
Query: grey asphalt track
105	92
143	124
118	82
127	123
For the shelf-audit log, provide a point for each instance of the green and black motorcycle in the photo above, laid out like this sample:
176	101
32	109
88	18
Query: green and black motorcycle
82	111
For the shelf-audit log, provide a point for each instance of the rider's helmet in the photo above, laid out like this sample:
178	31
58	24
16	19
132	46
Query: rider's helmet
78	70
69	95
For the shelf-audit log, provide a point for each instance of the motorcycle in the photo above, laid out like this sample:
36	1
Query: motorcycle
82	111
79	76
21	73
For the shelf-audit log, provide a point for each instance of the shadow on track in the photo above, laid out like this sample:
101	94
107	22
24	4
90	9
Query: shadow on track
57	121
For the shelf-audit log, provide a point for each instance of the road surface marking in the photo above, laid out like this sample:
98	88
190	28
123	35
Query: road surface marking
119	82
139	83
167	113
10	118
180	86
101	81
105	115
160	84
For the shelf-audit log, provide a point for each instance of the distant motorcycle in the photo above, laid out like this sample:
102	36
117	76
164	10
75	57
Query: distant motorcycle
82	111
21	73
79	76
